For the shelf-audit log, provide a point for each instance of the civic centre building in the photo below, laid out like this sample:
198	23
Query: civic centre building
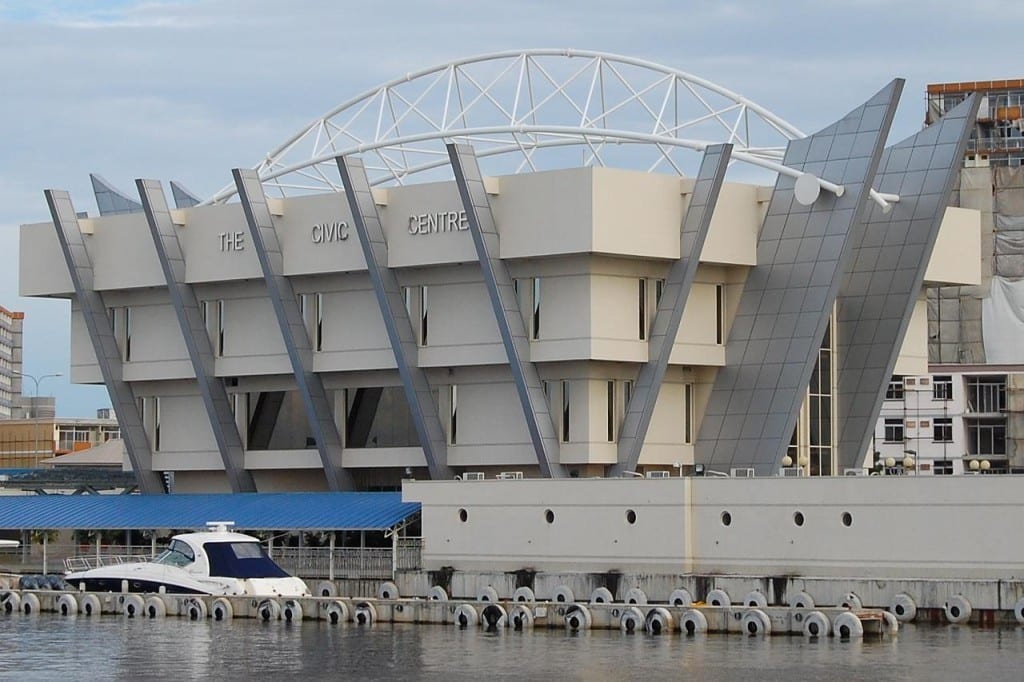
347	315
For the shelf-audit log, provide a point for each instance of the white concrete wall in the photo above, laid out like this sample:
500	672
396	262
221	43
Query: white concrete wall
900	527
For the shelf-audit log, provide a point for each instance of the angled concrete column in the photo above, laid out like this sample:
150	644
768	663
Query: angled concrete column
197	340
293	331
110	200
101	332
506	309
418	392
802	253
665	326
885	278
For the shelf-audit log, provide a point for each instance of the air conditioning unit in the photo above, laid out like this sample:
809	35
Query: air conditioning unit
745	472
792	472
473	476
510	476
659	474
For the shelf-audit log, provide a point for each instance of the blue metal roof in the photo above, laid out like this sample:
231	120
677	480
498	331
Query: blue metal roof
249	511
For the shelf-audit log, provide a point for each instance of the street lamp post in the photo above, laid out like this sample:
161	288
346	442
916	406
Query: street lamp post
35	405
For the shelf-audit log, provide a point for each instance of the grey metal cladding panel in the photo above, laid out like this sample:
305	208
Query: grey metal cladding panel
908	233
193	331
110	200
296	339
799	272
505	305
669	314
100	329
418	392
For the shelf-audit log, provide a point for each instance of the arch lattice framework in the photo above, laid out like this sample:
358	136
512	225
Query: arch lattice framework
527	111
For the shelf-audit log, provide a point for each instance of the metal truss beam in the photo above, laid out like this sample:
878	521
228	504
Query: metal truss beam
505	304
669	315
197	340
101	333
890	259
293	331
418	391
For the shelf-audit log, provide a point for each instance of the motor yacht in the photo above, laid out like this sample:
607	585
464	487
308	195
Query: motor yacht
217	561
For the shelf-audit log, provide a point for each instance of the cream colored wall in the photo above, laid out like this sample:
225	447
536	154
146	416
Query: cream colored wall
897	530
41	269
913	357
307	247
732	236
200	238
956	258
114	236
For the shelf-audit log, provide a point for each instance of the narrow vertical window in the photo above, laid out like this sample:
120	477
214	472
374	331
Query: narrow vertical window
536	307
719	314
627	392
220	327
319	336
611	412
156	423
453	415
659	289
565	411
642	308
423	315
127	333
688	413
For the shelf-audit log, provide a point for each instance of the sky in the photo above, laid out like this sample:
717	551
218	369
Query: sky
188	90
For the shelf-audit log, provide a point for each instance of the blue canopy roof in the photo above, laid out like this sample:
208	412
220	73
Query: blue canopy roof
249	511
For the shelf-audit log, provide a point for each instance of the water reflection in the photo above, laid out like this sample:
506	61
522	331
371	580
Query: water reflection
49	647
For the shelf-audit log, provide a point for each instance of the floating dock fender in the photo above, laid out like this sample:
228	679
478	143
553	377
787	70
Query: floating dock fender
335	612
493	617
29	603
577	617
631	620
903	607
892	624
221	609
465	616
659	621
488	594
847	625
91	605
801	600
718	598
817	624
563	593
195	609
387	590
131	604
364	614
755	599
521	617
851	601
154	607
326	588
67	605
958	609
292	611
10	602
1018	611
524	594
636	596
437	593
601	595
693	622
756	623
680	597
268	609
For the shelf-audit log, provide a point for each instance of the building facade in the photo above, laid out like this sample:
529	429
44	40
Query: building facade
11	324
578	322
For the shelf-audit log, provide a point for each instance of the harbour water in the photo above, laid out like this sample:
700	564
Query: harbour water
50	647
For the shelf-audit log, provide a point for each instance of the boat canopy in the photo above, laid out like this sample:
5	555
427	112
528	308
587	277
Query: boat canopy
248	511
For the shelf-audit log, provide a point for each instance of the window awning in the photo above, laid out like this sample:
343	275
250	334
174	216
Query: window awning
249	511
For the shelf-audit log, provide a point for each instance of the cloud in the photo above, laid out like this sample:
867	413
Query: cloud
188	90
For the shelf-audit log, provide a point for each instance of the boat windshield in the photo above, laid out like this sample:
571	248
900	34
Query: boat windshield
241	560
177	554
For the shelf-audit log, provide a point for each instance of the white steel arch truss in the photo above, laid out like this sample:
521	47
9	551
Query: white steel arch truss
526	111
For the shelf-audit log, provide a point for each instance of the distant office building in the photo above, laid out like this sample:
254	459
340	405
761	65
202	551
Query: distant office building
10	360
28	443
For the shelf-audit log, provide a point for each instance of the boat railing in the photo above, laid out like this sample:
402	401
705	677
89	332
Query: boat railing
87	561
370	563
